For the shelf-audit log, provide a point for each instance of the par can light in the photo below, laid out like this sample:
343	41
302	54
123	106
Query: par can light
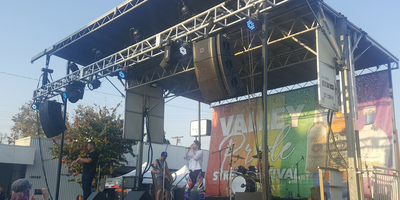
35	106
94	84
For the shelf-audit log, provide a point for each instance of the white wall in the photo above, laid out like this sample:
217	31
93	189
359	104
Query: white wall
34	173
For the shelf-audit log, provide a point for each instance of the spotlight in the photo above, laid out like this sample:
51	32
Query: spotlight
182	50
250	25
35	106
137	35
186	12
64	95
154	85
124	73
73	67
121	74
74	91
253	23
94	84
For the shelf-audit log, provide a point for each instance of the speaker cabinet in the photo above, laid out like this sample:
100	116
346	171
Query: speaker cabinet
215	68
97	196
171	56
138	195
51	118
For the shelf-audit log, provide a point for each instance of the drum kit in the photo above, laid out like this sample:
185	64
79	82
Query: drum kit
245	179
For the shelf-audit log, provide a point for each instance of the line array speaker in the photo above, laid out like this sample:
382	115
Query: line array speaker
51	118
216	71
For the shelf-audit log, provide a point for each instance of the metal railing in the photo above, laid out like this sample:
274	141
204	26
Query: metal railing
386	183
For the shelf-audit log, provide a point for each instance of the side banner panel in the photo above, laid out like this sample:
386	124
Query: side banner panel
297	132
374	123
290	115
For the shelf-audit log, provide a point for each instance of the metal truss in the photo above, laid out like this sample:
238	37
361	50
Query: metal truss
298	86
200	26
284	34
96	24
276	62
269	92
159	74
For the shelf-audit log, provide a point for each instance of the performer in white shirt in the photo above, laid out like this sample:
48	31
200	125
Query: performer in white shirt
195	157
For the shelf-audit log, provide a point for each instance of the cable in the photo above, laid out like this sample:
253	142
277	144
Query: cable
150	150
115	87
330	133
41	154
6	73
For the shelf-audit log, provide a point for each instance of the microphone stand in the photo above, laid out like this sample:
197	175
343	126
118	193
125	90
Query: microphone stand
230	171
219	175
297	168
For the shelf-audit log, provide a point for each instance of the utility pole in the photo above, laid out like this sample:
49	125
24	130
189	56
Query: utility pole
178	139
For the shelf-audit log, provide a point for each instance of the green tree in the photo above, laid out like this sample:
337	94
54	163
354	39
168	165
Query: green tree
4	138
25	123
100	125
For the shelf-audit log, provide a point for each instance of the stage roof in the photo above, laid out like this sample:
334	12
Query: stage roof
291	44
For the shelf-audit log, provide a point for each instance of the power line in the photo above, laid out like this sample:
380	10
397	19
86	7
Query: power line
187	108
10	74
16	75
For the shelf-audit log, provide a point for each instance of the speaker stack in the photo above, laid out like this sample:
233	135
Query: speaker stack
51	118
216	72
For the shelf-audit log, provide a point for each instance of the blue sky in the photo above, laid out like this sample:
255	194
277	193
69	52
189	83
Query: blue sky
28	27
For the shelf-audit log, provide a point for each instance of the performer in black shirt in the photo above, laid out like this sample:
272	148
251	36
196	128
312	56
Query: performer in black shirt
89	169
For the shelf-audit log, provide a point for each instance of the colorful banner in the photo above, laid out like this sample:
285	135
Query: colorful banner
297	129
374	122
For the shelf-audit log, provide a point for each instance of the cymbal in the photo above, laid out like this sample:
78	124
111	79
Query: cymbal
237	156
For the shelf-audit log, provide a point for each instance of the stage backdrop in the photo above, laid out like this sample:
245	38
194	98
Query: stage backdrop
297	129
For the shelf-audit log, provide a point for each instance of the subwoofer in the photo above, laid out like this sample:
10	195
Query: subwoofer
51	118
215	68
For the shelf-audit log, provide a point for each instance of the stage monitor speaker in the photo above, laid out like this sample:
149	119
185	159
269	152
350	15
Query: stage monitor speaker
215	68
138	195
248	195
51	118
97	196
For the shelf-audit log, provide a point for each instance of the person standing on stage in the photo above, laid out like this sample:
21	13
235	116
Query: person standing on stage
195	157
158	170
89	169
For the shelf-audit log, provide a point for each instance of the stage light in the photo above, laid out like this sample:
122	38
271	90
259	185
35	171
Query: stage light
35	106
250	24
186	12
73	67
154	85
74	91
121	74
94	84
182	50
137	35
253	23
64	95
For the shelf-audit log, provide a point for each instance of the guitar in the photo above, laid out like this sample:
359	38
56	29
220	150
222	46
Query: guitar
167	177
170	179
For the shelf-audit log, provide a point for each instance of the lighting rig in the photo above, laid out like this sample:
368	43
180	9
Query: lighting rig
147	48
